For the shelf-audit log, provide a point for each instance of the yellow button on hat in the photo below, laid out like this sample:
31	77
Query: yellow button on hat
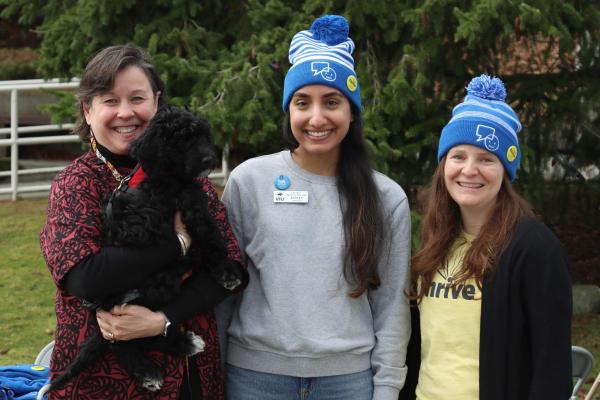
352	83
511	153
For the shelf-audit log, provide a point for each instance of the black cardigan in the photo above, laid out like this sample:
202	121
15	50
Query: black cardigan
525	335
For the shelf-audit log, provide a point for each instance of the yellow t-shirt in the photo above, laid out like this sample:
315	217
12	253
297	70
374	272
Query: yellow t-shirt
450	319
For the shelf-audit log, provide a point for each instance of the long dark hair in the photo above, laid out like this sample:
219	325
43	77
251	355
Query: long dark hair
442	225
361	207
100	73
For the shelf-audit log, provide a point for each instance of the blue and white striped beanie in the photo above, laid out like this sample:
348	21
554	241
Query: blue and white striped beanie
484	120
322	55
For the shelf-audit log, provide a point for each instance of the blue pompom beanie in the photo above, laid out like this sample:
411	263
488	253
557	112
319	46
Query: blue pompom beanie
322	55
484	120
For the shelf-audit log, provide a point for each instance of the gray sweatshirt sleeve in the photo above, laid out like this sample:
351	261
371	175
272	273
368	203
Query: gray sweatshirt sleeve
233	203
224	311
389	304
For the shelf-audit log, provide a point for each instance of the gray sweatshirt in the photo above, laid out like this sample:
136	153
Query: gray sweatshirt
296	317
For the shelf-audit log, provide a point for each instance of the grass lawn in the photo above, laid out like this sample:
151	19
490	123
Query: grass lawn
27	293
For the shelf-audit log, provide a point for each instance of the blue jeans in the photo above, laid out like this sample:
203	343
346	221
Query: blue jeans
244	384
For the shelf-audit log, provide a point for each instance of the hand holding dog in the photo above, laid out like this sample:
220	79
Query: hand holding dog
180	227
184	237
127	322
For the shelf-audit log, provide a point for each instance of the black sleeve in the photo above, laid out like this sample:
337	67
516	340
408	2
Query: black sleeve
116	269
413	355
546	290
199	294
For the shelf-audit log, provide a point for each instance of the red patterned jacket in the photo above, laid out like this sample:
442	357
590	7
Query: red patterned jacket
72	233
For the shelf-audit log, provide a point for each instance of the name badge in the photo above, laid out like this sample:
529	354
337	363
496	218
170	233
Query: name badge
294	196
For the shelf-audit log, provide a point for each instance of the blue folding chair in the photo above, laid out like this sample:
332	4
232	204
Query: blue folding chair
43	358
583	362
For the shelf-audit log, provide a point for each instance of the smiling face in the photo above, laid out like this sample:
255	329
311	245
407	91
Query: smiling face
320	117
473	178
122	114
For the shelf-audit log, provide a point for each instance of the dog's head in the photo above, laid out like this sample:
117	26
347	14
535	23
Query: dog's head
176	143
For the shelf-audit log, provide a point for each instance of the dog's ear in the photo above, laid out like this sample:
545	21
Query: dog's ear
147	148
201	156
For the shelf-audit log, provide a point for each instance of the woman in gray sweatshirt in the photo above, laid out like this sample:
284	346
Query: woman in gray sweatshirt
327	243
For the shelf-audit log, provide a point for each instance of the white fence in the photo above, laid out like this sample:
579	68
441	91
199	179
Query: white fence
14	141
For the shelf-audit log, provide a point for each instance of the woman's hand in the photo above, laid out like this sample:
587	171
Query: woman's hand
184	238
127	322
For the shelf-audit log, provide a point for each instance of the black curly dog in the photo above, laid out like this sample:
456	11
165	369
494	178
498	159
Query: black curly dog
174	151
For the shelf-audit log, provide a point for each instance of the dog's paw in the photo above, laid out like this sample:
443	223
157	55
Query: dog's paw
197	344
229	278
152	384
232	283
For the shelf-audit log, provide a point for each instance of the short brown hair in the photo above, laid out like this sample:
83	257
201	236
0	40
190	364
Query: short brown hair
100	73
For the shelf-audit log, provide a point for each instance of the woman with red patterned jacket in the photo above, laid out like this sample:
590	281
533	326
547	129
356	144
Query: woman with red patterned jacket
119	93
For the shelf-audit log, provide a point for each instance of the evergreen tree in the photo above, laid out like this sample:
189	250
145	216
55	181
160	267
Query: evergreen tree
227	61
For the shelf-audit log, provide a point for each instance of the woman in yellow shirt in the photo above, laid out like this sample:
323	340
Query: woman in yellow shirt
492	283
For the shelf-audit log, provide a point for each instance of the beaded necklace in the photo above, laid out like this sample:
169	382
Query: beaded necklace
120	178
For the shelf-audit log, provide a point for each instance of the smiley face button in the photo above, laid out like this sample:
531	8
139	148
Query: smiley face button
511	153
351	83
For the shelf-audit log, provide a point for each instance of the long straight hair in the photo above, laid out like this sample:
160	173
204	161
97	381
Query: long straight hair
361	207
442	225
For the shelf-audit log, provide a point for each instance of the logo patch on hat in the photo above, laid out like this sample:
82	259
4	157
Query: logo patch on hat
352	83
511	153
487	135
322	68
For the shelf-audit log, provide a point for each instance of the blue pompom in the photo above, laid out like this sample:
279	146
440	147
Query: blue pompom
487	87
331	29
